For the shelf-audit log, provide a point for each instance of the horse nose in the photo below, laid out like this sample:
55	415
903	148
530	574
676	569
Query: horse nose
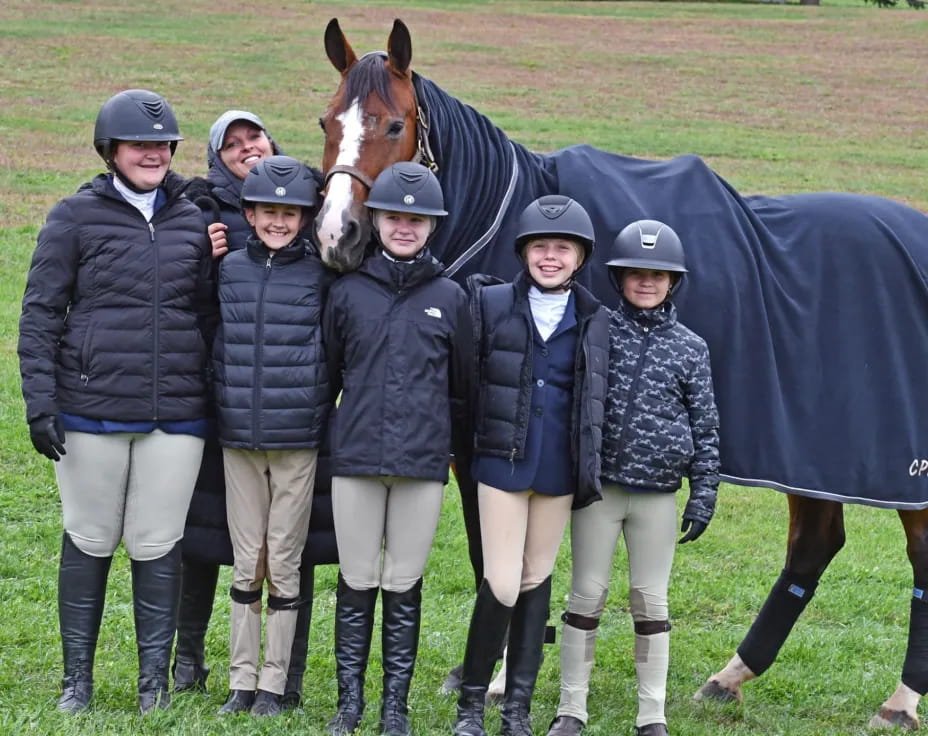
351	232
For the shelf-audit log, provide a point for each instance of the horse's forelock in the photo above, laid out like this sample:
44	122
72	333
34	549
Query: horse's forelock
367	76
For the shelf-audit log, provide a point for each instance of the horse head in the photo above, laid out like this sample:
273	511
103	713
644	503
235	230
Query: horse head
369	124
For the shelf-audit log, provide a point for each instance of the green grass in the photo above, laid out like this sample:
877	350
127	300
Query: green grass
778	98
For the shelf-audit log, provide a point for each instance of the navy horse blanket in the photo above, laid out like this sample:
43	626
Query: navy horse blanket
814	306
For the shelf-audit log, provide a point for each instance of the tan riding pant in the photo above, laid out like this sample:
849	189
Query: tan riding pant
648	521
133	486
384	528
268	501
521	532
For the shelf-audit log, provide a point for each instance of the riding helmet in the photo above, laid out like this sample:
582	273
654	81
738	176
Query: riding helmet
134	115
407	187
647	244
280	180
555	215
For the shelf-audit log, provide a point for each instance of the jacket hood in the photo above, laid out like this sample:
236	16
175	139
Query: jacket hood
226	185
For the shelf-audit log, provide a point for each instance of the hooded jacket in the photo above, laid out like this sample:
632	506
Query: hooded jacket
398	341
225	190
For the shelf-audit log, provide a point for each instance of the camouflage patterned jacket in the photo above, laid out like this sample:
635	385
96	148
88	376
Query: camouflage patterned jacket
661	420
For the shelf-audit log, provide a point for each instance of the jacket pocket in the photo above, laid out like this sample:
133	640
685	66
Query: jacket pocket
86	354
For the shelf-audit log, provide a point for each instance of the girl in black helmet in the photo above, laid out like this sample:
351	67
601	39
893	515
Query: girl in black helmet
238	140
661	426
543	344
273	402
399	342
116	316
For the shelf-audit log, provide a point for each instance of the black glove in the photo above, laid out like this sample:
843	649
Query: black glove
47	436
692	528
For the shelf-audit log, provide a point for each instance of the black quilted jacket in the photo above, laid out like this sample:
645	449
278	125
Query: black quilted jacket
117	311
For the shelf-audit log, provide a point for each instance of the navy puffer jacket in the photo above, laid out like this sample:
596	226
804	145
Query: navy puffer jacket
661	421
504	341
399	341
272	389
118	311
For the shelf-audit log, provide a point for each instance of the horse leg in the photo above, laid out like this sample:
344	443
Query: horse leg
816	535
901	708
468	489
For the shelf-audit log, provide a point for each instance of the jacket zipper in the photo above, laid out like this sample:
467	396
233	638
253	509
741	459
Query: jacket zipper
85	354
578	396
259	342
156	369
527	318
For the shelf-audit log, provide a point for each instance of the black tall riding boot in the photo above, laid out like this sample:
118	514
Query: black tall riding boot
197	593
81	593
523	658
155	595
293	691
354	623
402	614
488	625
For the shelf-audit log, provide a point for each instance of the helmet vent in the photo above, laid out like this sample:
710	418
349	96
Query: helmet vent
648	240
281	169
153	108
552	211
410	177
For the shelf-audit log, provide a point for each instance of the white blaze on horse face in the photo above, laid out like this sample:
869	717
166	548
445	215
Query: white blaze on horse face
338	195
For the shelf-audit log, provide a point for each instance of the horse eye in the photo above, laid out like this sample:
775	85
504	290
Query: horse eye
395	129
322	124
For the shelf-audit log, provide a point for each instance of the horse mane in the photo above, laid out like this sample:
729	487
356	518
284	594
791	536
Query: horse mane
474	155
368	76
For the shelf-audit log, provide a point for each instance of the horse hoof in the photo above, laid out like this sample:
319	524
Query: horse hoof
452	682
713	690
893	718
494	698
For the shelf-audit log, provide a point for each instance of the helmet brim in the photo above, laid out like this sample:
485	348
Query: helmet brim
373	204
645	263
145	137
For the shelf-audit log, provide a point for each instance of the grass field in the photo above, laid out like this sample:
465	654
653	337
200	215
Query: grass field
778	98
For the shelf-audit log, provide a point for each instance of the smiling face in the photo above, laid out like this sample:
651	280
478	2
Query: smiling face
403	234
276	225
244	145
552	261
646	288
143	163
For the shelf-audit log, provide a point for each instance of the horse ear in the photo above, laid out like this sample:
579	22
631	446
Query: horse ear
337	47
399	48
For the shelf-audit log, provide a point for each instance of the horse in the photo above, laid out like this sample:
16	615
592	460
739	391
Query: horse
814	307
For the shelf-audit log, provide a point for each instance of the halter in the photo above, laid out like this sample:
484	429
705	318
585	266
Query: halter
422	156
353	171
424	153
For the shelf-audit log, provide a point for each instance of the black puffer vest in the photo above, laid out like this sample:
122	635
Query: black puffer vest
504	327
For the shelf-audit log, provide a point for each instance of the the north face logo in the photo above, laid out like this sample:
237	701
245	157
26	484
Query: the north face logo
433	312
